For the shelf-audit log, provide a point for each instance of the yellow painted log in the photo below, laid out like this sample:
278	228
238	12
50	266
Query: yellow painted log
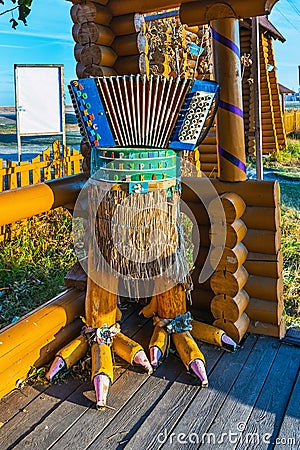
160	339
131	44
35	338
28	201
234	330
207	333
232	258
151	309
102	361
187	348
235	233
127	24
229	283
171	303
265	311
125	347
73	351
229	308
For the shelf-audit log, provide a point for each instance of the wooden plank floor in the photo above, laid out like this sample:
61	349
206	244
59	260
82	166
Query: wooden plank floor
253	402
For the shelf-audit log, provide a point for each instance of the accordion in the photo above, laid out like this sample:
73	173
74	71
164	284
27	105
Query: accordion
140	112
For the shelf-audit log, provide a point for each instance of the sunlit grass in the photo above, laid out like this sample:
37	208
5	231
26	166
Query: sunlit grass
33	264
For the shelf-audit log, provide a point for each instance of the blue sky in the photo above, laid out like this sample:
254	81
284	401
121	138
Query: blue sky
48	40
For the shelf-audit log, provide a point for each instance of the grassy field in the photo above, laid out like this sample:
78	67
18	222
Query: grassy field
33	264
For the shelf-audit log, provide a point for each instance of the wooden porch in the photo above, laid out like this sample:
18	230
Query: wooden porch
253	402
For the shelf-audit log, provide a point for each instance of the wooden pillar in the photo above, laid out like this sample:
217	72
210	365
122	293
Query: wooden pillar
230	124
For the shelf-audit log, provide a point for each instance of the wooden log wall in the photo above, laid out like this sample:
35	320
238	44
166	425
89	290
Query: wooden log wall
228	285
273	133
252	269
107	45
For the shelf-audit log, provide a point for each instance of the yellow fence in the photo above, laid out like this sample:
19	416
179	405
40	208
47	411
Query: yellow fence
292	121
52	163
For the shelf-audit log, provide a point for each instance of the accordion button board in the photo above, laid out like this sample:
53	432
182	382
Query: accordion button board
136	111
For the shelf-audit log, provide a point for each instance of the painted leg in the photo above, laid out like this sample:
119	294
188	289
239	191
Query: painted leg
158	346
102	372
131	351
212	335
68	356
191	355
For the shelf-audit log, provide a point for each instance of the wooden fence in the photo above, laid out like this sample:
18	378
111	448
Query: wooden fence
292	121
52	163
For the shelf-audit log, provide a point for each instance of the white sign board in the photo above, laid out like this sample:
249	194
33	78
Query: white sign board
39	99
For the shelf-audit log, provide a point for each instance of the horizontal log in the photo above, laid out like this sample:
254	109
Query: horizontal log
268	329
91	12
201	299
223	282
263	268
234	330
232	258
127	24
210	158
131	44
266	288
209	167
253	192
234	206
91	33
206	147
259	218
94	54
18	366
94	70
34	339
28	201
265	311
129	6
127	65
263	241
229	308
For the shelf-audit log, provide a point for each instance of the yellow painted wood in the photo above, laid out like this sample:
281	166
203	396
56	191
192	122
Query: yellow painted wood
187	348
207	333
160	339
73	351
102	361
234	330
125	347
151	309
229	308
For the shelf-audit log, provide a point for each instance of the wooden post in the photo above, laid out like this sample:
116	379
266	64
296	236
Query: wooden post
230	124
257	98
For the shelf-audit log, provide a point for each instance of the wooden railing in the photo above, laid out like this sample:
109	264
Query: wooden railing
52	163
292	121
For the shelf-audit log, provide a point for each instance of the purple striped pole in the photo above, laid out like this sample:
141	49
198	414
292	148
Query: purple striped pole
230	122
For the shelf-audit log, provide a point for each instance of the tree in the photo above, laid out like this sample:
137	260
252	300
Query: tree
23	8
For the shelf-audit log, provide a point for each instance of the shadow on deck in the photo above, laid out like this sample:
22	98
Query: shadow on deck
253	402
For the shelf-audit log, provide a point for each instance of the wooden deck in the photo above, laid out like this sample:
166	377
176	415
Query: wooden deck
253	402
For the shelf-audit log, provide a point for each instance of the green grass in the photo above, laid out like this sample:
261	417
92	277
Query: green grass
33	264
286	159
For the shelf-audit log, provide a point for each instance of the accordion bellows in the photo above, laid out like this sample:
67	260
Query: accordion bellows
136	111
